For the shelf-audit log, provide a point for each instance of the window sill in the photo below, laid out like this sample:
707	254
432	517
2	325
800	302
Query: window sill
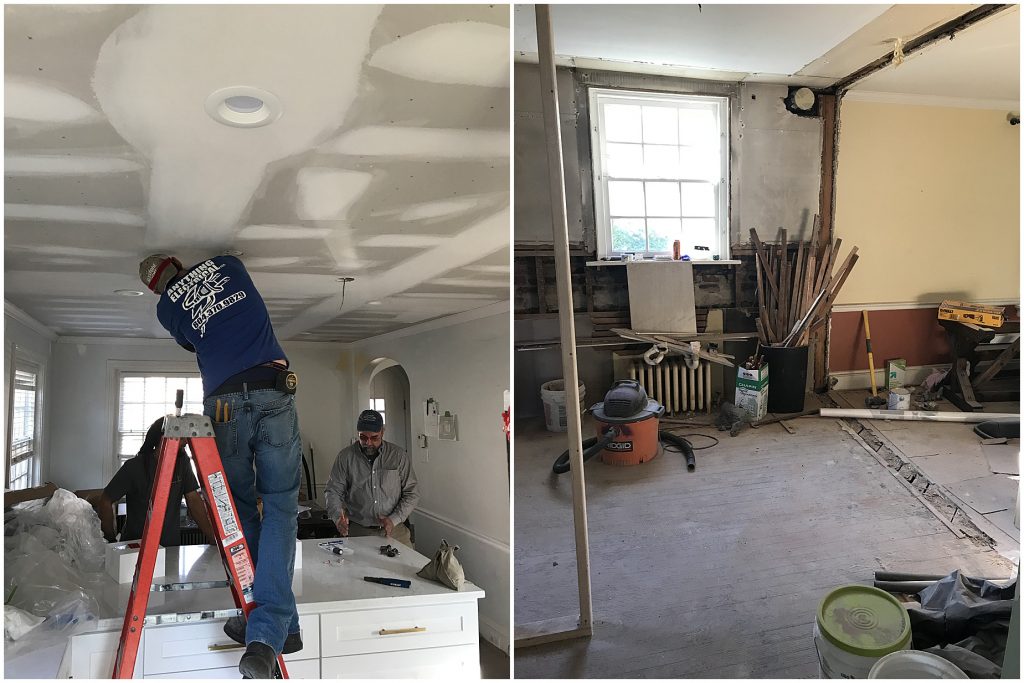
702	262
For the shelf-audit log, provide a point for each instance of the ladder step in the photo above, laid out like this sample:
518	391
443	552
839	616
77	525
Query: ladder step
188	586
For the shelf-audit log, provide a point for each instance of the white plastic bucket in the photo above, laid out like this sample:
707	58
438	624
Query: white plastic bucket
899	399
914	664
834	662
553	395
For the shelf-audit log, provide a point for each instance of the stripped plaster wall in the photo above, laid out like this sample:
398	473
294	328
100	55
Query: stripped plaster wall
464	484
775	182
931	197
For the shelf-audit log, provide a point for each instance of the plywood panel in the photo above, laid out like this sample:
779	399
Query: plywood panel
661	297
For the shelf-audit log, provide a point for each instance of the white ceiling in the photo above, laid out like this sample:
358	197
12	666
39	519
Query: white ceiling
813	45
389	163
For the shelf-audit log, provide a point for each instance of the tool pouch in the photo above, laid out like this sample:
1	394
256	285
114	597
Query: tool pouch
287	382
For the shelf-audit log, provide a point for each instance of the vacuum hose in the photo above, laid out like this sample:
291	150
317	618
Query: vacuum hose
591	447
595	445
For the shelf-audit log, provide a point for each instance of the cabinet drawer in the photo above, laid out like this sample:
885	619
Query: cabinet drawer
308	669
193	647
398	628
443	663
93	654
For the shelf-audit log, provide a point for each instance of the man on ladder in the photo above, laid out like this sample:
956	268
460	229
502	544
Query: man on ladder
214	310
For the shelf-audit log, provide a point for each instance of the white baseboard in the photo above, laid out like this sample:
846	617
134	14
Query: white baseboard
495	635
861	379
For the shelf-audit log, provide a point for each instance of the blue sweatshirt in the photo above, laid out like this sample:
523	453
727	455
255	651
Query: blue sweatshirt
214	309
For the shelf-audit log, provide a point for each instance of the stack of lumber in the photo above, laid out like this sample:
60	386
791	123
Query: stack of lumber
795	295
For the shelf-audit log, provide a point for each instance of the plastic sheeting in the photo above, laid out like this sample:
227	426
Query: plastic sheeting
965	621
53	552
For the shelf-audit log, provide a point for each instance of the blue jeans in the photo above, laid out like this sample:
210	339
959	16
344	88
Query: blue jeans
262	454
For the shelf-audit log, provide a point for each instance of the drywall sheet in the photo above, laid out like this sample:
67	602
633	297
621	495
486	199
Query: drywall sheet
1003	458
661	297
987	494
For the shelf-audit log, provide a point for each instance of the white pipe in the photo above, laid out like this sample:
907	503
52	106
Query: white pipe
700	387
563	284
707	387
924	415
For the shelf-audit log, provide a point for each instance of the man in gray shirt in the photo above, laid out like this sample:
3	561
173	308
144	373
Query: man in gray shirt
372	487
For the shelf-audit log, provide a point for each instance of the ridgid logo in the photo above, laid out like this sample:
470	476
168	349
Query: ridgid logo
623	446
198	291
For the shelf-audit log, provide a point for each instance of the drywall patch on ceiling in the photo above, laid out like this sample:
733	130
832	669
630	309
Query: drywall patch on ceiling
60	261
404	241
487	269
59	164
439	209
326	194
26	100
281	232
182	48
464	53
446	295
272	261
81	252
72	214
422	143
467	282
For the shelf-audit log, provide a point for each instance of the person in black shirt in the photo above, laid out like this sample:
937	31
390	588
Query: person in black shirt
134	481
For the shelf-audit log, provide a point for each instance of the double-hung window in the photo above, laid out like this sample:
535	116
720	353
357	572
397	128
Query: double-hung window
661	173
143	398
24	416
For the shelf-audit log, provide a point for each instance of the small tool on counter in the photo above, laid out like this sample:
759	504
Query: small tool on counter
389	550
874	400
397	583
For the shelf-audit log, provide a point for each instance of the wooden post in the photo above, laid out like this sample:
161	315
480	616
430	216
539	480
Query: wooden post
563	285
826	198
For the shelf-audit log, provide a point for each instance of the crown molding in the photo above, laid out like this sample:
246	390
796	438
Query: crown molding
28	321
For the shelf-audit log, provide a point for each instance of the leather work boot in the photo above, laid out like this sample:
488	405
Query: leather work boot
259	661
235	630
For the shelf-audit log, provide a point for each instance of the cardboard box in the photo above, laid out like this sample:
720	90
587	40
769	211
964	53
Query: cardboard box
962	311
895	373
121	559
752	392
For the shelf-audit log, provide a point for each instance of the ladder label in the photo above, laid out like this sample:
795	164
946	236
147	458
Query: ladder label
243	569
222	499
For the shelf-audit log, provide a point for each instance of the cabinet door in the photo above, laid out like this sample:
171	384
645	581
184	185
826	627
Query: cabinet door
307	669
93	654
445	663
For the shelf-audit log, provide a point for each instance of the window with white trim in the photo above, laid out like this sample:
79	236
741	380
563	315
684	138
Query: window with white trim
142	399
24	416
661	173
378	405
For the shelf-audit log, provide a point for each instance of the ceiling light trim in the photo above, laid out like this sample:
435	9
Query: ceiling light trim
219	109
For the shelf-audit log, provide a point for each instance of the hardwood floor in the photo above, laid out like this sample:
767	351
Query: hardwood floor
715	573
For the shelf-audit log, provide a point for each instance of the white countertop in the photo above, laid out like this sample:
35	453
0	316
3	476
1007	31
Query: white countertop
322	583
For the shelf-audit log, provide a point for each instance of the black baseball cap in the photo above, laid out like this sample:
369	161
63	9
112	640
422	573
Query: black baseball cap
370	421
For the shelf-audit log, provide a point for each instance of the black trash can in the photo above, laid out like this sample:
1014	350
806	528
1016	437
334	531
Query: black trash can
787	378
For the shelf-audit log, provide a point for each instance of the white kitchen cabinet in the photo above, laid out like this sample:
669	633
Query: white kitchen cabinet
92	655
459	662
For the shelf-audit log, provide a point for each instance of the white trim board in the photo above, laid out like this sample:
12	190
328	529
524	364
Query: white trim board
483	538
861	379
930	100
28	321
903	305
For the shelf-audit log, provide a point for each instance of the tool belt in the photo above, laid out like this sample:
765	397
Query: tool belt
280	379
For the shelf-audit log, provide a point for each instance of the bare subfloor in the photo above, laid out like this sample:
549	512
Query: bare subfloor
715	573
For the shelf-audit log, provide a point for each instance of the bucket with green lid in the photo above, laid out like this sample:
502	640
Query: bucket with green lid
855	627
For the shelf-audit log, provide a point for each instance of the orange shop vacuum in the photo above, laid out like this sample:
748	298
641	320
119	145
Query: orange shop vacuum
627	429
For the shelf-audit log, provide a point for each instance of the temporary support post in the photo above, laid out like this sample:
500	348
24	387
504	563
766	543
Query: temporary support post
562	629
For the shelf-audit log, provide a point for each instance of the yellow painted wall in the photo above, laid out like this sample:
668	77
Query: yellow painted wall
931	198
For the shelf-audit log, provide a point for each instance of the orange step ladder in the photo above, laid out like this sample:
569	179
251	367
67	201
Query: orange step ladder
196	431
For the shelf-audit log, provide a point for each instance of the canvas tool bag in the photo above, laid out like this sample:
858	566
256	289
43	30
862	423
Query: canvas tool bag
445	568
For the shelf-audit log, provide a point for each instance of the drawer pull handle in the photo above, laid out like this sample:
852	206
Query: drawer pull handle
395	631
216	647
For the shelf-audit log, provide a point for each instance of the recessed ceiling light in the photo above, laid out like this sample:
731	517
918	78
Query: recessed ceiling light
242	106
128	292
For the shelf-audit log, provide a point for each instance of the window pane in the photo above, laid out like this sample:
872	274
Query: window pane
661	161
698	127
132	389
662	199
625	198
153	412
628	234
661	232
131	443
156	388
624	161
133	417
700	232
698	163
660	125
698	199
622	122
